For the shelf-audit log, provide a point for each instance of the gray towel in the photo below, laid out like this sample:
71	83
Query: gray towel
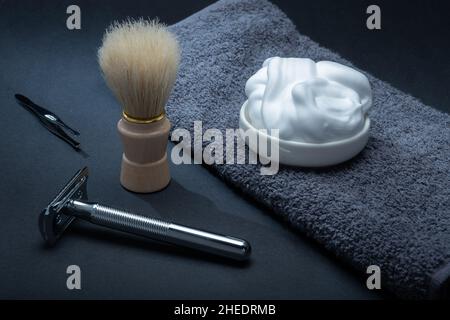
389	206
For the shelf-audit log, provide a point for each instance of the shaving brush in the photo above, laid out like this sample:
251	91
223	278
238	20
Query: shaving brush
139	60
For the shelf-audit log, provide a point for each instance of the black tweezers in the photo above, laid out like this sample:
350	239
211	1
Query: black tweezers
49	120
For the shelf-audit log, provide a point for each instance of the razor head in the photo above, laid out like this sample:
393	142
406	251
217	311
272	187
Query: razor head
55	218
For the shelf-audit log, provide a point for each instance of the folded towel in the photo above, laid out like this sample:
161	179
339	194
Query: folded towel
389	206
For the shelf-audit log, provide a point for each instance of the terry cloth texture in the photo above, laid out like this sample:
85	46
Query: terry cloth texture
389	206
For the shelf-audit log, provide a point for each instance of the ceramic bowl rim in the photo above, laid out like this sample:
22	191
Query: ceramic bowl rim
298	144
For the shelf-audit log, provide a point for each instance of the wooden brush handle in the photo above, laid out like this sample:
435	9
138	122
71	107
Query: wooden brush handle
144	162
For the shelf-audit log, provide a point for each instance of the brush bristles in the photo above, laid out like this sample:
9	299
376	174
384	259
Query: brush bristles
139	60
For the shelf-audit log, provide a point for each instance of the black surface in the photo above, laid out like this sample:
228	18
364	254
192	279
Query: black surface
57	68
410	51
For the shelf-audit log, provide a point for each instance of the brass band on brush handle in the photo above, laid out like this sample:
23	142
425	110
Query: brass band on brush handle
145	167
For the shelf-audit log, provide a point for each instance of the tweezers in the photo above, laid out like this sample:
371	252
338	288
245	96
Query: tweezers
49	120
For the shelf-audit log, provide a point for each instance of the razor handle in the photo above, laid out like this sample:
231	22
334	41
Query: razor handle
217	244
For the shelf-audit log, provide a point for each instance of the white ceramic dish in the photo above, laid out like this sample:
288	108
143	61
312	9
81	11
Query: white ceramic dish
312	154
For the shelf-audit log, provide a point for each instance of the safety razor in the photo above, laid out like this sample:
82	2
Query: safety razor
71	203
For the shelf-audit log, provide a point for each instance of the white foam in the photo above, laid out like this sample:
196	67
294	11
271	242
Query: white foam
307	101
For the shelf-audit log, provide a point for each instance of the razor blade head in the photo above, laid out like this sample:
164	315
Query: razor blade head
55	218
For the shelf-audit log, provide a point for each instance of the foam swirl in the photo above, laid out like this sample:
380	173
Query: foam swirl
307	101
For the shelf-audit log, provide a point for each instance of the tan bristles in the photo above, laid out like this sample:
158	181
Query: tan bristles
139	60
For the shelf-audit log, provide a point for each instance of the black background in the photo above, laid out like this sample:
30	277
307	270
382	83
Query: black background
56	67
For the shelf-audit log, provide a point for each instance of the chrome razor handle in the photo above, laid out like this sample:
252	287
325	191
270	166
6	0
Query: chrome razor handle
225	246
